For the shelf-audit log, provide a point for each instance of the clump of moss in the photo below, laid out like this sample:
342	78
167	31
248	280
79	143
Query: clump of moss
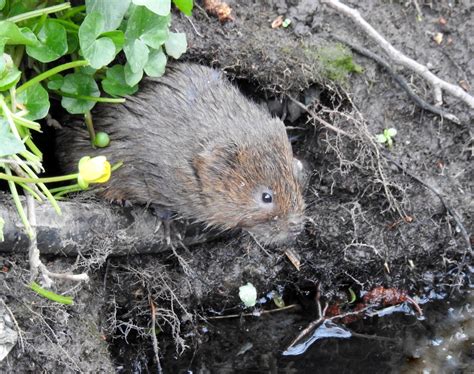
336	62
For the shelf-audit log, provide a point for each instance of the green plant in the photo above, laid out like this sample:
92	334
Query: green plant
48	48
387	137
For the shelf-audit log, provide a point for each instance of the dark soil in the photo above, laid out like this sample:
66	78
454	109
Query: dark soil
369	223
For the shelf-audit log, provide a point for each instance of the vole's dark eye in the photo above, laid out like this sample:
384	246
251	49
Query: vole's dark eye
267	197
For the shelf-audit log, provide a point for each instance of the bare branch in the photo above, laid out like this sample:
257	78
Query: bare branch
398	57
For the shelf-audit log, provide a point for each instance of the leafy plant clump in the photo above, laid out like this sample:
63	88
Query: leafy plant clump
51	49
337	62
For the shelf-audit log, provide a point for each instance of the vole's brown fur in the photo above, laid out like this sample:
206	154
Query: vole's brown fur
193	144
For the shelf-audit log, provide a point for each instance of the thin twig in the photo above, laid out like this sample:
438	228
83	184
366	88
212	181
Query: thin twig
194	27
288	307
398	57
319	119
397	78
154	340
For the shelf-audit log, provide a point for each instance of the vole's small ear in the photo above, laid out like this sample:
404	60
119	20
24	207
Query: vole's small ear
209	165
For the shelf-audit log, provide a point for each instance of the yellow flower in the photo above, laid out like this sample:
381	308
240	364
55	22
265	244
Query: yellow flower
93	170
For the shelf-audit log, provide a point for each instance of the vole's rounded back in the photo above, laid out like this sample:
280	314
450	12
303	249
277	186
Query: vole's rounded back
193	144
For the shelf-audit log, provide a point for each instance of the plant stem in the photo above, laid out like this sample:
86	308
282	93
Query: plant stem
73	11
39	12
42	186
67	24
66	300
15	179
27	123
19	207
90	126
8	114
50	73
90	98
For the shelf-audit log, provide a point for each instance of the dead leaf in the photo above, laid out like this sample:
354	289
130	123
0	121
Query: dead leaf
277	22
294	258
464	85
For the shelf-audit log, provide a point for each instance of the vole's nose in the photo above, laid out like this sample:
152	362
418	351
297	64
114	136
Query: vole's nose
295	225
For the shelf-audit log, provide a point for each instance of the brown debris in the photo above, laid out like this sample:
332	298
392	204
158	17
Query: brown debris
219	9
277	22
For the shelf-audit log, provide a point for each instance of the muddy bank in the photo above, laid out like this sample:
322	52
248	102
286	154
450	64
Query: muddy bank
358	235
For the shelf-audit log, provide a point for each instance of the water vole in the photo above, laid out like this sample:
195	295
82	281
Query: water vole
194	145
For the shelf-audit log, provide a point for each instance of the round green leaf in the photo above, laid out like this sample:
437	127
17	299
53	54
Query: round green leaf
176	44
99	52
130	77
113	11
156	64
137	55
381	138
391	132
114	83
185	6
9	144
10	33
36	100
117	37
9	75
55	82
52	43
72	43
80	85
160	7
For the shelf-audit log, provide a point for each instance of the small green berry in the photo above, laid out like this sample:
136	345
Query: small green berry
101	140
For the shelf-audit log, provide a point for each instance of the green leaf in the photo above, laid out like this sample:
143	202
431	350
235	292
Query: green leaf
114	83
155	67
72	43
117	37
391	132
286	23
185	6
137	55
81	85
36	100
99	52
52	43
130	77
147	26
10	75
176	44
113	11
160	7
55	82
381	138
9	144
12	34
2	5
21	6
